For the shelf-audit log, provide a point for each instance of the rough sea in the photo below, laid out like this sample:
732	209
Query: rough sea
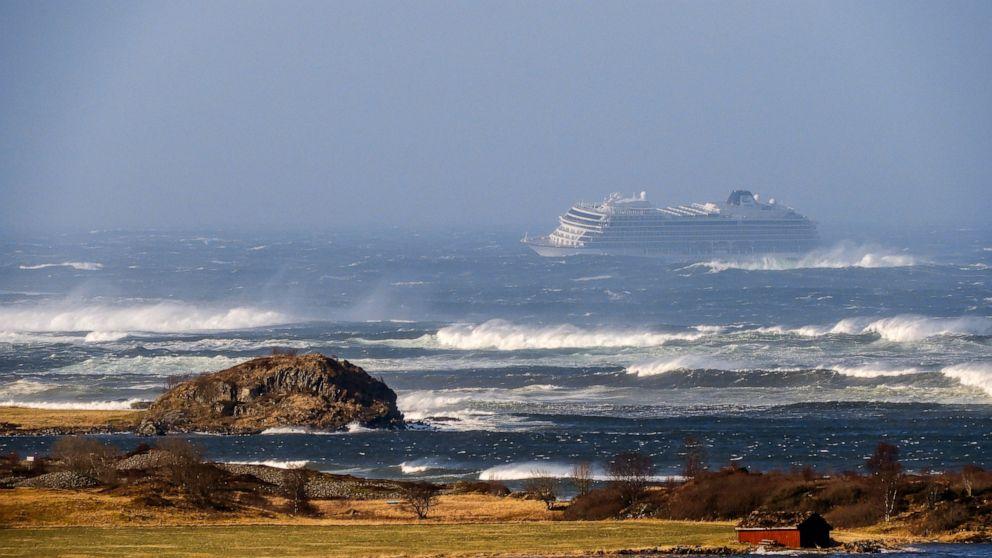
515	363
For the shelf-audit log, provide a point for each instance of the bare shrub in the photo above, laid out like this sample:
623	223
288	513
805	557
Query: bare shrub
294	489
87	456
582	477
185	469
629	474
174	380
944	518
284	351
595	505
860	514
420	497
543	487
693	457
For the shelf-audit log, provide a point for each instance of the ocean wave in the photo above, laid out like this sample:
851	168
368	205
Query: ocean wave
149	365
81	266
902	328
24	387
162	317
972	374
73	405
506	336
277	463
873	371
841	256
681	362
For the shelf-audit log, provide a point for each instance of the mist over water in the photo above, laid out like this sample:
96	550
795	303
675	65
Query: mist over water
512	362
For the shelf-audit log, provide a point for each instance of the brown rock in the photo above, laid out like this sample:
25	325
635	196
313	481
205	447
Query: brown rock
311	391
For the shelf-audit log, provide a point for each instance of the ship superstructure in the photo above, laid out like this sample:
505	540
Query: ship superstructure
740	226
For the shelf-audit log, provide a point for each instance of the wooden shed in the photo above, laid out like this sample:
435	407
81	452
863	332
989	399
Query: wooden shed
791	529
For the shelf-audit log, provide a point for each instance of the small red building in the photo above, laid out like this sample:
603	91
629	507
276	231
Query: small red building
790	529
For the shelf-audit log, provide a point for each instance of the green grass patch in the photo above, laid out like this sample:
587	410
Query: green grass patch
361	540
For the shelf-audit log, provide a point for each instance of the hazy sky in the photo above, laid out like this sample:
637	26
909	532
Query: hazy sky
334	114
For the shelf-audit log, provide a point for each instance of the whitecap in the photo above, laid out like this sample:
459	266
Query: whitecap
80	266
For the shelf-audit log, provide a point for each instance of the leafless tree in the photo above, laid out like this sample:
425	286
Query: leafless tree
968	474
693	457
543	486
421	497
884	466
629	474
582	477
294	488
87	456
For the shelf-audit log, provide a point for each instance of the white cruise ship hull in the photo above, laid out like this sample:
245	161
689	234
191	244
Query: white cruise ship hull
742	227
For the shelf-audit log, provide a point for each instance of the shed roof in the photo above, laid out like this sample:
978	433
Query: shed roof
779	520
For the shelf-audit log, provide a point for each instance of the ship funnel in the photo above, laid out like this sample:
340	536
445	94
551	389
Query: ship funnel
643	196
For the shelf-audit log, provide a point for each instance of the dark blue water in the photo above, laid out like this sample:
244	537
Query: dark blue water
514	363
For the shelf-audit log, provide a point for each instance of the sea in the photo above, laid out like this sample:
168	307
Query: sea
512	364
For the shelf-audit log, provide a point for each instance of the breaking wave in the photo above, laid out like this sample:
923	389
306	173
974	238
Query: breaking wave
682	362
112	321
873	371
277	463
506	336
972	374
901	328
81	266
841	256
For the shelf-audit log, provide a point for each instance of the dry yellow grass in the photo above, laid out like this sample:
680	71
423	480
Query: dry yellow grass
92	523
37	419
30	507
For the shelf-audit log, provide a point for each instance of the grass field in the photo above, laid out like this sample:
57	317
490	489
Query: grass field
530	538
36	419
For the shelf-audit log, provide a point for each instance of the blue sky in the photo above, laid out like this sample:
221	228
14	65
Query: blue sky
497	114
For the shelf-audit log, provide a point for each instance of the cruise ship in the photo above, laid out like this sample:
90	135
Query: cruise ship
740	227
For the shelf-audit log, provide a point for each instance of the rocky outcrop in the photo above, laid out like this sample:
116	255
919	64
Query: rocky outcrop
309	391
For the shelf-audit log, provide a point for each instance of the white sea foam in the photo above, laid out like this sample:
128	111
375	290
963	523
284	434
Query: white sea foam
72	405
681	362
162	317
277	463
872	370
81	266
104	336
592	278
902	328
506	336
972	374
146	365
23	387
843	255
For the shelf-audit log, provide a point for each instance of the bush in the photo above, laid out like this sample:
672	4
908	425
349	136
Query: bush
491	488
629	473
860	514
542	487
88	457
603	503
185	469
944	518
